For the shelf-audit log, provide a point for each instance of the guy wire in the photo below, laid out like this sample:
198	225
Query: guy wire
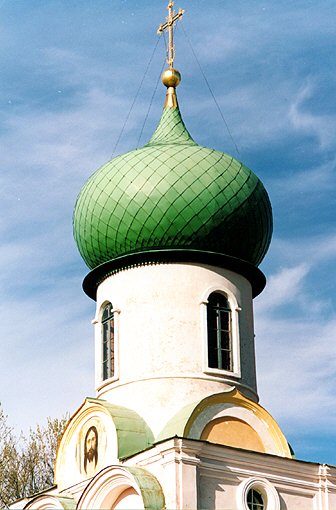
151	102
135	98
208	85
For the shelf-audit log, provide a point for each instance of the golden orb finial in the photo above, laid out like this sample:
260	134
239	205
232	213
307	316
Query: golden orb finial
171	77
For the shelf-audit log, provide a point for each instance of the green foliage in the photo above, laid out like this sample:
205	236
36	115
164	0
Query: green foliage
27	462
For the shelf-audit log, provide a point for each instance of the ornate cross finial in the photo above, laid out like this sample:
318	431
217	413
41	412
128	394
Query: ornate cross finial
169	25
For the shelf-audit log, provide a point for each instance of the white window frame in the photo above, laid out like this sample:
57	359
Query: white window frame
235	309
108	342
97	322
262	485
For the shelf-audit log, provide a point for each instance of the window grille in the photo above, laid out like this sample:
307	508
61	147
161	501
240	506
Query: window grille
219	332
255	500
108	342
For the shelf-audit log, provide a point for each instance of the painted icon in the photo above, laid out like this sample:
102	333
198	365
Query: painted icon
90	451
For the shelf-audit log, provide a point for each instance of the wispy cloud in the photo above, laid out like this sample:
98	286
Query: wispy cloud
283	288
297	370
312	181
47	338
320	126
312	249
296	347
69	77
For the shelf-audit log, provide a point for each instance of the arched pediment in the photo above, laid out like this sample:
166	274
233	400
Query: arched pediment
231	419
49	502
97	435
119	487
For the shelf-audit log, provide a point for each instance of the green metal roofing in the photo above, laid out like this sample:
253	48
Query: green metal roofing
133	433
172	194
171	130
151	490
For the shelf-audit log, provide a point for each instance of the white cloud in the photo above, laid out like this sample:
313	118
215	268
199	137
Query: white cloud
283	288
320	126
297	370
258	56
46	353
296	349
313	249
74	68
313	181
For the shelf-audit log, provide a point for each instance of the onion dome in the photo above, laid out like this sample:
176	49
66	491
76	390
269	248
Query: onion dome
173	197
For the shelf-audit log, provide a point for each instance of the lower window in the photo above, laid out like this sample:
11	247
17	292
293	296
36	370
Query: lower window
255	500
257	494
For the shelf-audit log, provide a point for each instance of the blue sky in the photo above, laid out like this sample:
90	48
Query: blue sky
70	70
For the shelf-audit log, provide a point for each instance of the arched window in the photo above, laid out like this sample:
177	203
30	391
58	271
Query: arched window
107	323
219	332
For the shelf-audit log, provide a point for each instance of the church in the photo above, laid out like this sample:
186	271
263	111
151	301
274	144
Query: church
173	234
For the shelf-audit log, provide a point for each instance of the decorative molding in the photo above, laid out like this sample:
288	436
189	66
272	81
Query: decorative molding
173	256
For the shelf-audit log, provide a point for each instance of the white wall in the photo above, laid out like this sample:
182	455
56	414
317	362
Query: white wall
161	338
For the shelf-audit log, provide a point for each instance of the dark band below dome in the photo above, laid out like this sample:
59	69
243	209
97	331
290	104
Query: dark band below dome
250	272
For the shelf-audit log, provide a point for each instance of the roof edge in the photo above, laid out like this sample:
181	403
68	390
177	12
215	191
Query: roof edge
174	256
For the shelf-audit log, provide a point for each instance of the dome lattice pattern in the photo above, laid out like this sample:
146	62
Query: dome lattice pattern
172	194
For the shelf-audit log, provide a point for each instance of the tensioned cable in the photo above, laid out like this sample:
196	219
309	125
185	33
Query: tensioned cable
151	102
153	95
156	87
208	85
135	98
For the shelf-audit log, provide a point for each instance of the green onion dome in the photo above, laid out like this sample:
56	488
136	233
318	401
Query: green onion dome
172	194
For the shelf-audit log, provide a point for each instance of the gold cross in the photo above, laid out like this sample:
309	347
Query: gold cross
169	25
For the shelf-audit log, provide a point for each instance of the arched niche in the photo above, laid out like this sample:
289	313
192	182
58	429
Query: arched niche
118	488
231	431
48	502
